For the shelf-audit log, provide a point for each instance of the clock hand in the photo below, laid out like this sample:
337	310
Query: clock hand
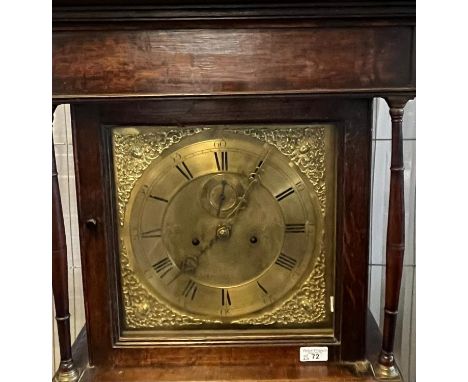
190	263
222	197
242	199
254	178
256	173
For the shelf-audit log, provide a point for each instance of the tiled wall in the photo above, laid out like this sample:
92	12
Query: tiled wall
381	145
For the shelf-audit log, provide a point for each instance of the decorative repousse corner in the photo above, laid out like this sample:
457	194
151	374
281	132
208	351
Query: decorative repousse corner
134	149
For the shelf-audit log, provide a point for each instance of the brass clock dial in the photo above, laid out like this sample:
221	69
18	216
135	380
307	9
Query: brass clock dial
222	226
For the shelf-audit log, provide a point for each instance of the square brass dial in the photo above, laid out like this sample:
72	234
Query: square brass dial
247	188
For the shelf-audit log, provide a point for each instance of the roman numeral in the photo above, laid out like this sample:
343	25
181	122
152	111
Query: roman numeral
222	164
286	262
225	298
190	289
153	233
295	228
284	194
185	171
158	198
163	267
262	288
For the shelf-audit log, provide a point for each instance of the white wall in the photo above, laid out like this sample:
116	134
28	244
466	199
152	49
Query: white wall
381	145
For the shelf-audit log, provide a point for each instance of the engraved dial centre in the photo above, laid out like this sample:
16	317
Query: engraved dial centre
226	256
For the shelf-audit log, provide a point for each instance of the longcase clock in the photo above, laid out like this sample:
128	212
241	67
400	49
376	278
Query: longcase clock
222	159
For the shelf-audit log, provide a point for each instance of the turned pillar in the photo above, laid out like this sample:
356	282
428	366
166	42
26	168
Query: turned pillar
67	371
386	367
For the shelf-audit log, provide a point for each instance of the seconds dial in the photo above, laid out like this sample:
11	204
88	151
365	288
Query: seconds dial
222	227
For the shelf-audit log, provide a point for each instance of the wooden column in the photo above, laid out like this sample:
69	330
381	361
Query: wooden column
386	367
67	371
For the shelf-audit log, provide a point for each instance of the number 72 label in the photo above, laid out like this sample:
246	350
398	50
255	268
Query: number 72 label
313	353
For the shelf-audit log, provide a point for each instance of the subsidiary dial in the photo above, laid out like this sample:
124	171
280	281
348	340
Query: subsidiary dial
221	193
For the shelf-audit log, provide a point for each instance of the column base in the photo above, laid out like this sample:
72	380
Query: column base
67	373
386	373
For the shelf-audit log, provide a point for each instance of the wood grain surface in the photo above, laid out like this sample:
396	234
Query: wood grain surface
267	371
329	373
231	61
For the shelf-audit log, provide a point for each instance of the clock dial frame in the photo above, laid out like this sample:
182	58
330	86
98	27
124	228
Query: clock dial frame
175	218
163	172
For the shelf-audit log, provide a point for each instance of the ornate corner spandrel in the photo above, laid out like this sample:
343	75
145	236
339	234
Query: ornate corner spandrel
305	147
133	153
306	306
142	309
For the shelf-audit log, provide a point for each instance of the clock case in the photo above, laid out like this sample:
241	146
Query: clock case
98	224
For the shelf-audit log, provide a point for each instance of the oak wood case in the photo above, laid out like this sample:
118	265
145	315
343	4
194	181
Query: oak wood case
99	245
203	62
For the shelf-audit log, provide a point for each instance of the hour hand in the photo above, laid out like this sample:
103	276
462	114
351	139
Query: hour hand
188	265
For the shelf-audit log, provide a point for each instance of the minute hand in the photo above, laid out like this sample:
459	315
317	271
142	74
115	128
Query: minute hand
254	178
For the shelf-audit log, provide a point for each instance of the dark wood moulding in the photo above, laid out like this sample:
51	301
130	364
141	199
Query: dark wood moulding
231	61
